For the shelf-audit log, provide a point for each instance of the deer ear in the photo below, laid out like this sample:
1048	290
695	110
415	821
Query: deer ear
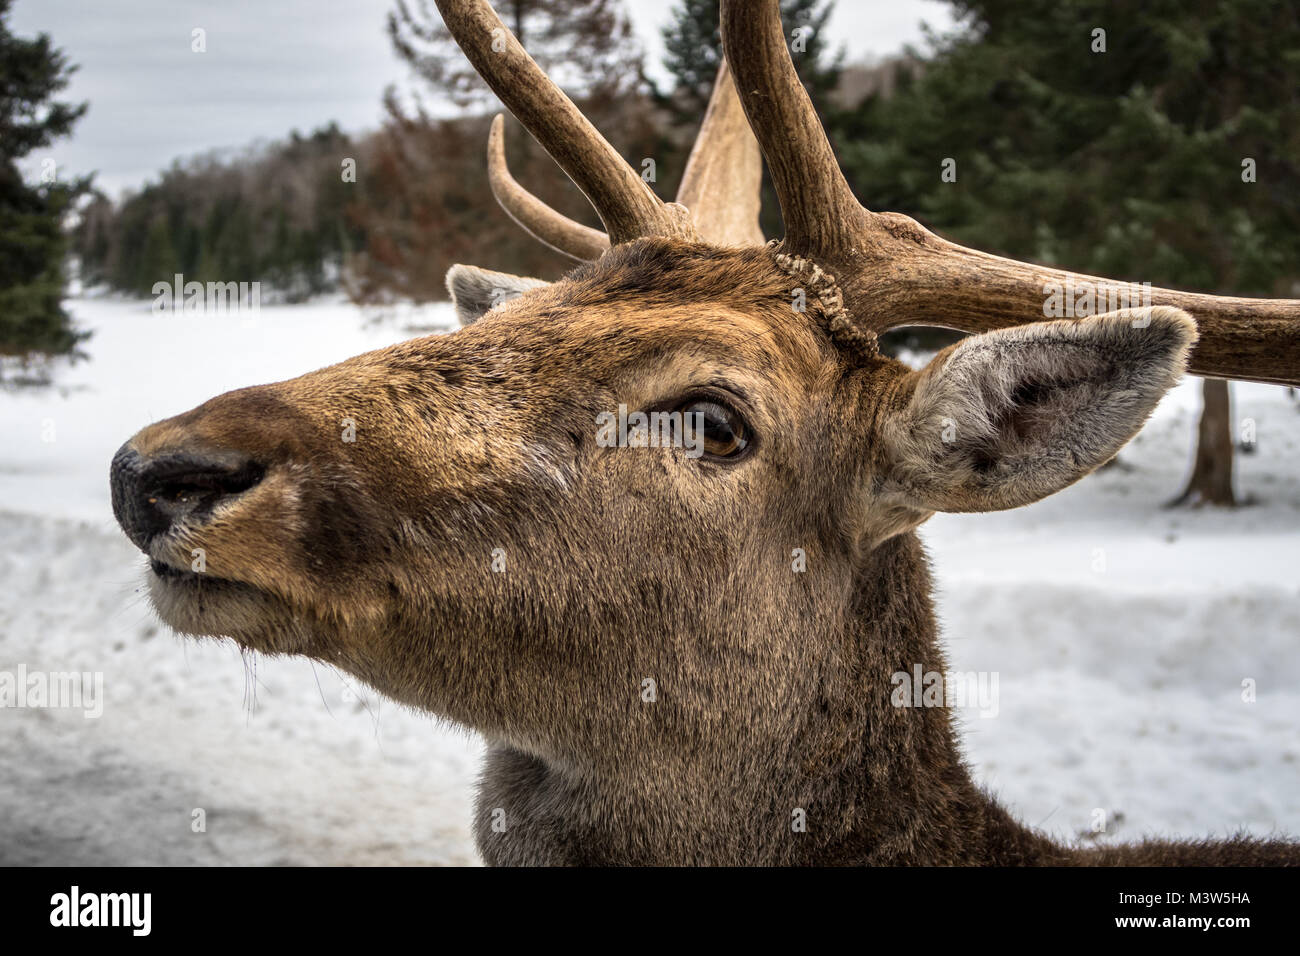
1005	418
474	291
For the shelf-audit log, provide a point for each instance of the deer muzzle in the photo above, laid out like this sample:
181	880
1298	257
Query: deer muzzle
154	495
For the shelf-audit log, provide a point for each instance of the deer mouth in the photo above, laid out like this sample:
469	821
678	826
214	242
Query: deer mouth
184	577
168	572
179	585
199	604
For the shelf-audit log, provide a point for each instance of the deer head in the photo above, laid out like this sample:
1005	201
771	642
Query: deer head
669	639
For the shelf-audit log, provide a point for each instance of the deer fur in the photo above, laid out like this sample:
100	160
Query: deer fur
475	554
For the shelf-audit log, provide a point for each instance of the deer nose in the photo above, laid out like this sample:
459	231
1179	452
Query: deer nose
152	495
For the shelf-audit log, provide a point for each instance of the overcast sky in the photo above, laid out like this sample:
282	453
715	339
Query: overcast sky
276	65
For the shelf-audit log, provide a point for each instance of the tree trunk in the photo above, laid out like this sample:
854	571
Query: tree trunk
1211	480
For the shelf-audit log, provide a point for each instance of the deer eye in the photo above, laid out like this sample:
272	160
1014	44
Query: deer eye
721	430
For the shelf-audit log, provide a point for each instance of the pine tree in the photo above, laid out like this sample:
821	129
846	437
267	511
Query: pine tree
693	50
32	242
278	214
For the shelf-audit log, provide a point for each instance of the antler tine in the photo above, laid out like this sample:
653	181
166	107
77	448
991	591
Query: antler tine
720	187
539	220
625	204
724	174
819	209
894	272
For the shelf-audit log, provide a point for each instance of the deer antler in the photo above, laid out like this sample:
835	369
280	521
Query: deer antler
895	272
720	186
538	219
625	204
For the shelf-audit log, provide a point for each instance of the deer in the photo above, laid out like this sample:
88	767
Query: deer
621	623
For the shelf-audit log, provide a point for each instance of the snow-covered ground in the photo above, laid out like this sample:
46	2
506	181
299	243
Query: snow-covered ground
1120	634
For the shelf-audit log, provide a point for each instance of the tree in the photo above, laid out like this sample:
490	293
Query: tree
1155	141
1211	480
426	196
32	242
587	46
693	50
277	214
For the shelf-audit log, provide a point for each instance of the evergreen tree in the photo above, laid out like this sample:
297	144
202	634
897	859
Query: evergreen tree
32	242
693	50
278	214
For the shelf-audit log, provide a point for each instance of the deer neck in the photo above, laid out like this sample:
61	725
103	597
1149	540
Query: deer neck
845	777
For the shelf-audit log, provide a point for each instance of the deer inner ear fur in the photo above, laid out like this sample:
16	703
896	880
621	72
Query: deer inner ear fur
475	291
1005	418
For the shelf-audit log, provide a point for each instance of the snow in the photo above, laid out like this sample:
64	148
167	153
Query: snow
1120	633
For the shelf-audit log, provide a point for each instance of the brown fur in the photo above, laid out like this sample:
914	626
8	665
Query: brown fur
773	687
